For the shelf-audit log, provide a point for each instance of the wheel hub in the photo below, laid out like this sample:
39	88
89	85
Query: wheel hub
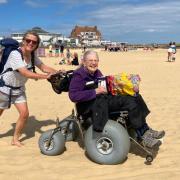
48	146
104	145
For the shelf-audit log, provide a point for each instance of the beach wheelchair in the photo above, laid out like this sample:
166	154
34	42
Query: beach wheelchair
111	146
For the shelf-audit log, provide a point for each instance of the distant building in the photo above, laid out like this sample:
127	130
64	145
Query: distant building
17	36
46	37
87	35
105	42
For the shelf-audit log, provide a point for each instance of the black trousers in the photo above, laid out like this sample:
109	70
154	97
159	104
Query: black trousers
99	109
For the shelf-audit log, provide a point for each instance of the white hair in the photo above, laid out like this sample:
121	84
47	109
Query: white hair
87	53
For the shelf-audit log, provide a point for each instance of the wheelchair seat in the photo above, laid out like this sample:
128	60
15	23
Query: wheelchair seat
86	121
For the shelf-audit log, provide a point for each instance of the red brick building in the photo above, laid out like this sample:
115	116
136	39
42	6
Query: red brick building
87	35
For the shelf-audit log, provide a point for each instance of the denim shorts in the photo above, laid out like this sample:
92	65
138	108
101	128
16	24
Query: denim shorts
4	99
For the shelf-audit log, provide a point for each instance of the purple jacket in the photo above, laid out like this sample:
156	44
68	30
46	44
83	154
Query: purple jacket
77	90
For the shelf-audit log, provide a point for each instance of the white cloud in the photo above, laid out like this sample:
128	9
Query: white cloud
35	4
149	18
119	19
115	18
150	30
3	1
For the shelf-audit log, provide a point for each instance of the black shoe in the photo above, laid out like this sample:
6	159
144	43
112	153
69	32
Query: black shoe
155	134
148	141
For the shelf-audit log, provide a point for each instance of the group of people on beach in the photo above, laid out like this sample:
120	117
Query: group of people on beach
65	58
85	98
69	59
115	48
58	50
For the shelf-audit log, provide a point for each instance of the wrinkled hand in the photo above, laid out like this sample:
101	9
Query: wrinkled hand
49	75
101	90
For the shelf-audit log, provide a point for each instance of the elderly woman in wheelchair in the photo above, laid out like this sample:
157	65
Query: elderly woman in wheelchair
105	123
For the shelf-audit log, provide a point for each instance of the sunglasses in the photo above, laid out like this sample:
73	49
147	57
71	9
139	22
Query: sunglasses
28	41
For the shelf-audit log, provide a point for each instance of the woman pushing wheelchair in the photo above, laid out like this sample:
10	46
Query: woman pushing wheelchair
20	66
98	103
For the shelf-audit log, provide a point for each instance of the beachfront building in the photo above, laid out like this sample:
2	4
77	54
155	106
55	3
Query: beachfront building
17	36
89	36
106	42
46	37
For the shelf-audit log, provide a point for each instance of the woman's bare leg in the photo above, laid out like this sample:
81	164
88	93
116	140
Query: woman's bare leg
169	54
23	115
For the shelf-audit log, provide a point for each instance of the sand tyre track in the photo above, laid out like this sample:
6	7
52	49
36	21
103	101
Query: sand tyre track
56	146
109	147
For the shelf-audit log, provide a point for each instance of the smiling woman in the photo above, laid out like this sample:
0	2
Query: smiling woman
22	64
96	103
31	40
91	61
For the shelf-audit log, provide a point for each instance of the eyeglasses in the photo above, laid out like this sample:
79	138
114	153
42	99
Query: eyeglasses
93	60
28	41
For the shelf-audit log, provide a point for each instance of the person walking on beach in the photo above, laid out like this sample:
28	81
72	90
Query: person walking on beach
13	92
50	50
62	50
172	52
68	56
173	47
84	48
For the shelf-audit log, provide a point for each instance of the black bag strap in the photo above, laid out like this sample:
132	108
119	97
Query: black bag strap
33	62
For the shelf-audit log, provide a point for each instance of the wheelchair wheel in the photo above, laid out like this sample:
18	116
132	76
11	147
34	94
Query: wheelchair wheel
108	147
70	133
55	147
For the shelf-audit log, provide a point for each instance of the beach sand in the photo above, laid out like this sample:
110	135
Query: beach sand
160	87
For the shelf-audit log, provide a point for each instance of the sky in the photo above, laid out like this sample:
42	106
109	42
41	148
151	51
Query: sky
132	21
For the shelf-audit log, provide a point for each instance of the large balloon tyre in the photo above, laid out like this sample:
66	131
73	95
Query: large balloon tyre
108	147
56	146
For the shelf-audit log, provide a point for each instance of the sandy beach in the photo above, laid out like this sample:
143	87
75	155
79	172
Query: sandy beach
160	87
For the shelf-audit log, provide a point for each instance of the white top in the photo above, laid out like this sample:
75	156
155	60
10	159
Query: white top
14	78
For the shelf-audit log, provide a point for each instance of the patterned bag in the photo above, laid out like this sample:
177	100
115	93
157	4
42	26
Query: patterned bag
124	84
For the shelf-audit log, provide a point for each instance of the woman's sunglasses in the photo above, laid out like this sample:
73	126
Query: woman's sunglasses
28	41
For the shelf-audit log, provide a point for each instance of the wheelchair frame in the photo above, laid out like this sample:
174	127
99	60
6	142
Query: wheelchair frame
77	120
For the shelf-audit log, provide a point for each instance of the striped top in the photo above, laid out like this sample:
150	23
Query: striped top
14	78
